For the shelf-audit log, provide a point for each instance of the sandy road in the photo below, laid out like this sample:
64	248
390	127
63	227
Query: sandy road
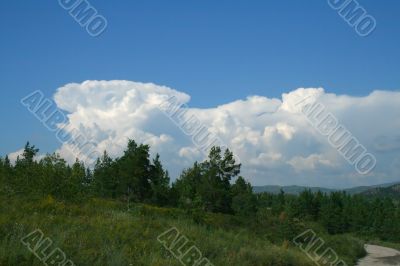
380	256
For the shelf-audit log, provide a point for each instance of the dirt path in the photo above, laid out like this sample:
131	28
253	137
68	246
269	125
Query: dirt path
380	256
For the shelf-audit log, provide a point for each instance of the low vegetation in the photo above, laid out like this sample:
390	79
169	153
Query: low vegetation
105	232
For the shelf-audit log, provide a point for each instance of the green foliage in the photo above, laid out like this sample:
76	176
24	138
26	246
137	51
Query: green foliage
339	212
207	185
105	181
133	169
159	182
251	229
244	202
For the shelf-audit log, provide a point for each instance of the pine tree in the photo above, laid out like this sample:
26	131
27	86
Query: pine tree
29	153
76	180
217	172
332	213
26	176
244	202
134	171
186	187
105	181
2	174
159	182
54	176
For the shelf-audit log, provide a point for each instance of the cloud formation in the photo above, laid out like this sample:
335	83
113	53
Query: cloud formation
272	137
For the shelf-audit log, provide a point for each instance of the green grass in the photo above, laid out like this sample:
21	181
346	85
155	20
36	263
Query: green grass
104	232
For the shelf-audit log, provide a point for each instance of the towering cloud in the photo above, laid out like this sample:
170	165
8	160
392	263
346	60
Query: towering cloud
272	137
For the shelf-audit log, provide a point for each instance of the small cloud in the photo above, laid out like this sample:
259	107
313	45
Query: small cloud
310	162
14	155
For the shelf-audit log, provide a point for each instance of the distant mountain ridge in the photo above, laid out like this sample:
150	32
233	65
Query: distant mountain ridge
391	191
375	189
289	189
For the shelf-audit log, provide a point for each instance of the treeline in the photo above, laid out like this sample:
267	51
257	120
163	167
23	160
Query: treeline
133	177
205	187
339	212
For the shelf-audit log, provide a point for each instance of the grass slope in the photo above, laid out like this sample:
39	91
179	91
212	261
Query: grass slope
104	232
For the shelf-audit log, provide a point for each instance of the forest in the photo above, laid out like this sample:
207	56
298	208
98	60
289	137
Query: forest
209	193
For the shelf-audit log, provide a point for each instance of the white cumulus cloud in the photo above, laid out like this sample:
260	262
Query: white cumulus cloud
273	139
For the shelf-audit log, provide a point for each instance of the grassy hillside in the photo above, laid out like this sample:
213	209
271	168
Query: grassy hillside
105	232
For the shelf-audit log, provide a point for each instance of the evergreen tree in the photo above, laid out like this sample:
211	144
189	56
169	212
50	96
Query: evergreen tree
55	176
7	175
278	205
332	213
134	171
186	187
217	172
159	182
244	202
30	151
26	175
2	174
76	182
105	181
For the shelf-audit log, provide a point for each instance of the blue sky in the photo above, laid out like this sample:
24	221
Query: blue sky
215	51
